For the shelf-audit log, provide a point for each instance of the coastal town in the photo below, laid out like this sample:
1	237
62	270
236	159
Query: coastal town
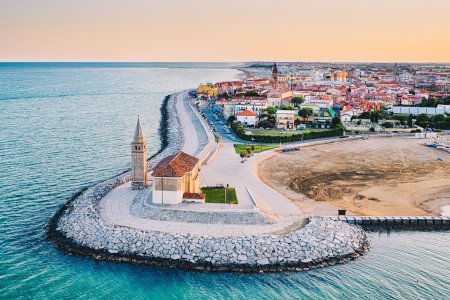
255	164
313	98
267	150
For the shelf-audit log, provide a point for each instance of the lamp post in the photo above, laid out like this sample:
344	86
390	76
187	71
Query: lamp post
225	187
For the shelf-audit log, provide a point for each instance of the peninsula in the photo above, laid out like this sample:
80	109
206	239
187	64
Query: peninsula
200	204
127	218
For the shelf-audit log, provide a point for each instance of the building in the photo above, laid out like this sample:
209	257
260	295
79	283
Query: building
339	76
139	179
247	117
208	89
414	110
346	115
176	179
285	119
275	74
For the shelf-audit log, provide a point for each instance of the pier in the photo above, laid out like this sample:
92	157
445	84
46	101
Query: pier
401	222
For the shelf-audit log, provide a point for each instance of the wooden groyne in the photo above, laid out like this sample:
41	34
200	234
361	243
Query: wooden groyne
404	222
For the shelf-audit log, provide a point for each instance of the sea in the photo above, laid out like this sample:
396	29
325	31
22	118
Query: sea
65	126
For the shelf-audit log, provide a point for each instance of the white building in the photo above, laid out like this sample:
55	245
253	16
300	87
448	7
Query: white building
413	110
247	117
176	179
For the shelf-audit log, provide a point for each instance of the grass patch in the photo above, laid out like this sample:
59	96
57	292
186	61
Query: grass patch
216	138
258	148
217	195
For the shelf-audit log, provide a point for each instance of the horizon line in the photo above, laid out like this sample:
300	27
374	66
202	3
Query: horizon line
250	61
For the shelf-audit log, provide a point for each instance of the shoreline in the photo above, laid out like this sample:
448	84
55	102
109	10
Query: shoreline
409	180
66	230
67	245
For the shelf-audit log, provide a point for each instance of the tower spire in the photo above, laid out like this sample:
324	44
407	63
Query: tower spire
138	133
139	177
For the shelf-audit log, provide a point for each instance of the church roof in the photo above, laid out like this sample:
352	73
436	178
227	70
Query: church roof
175	165
274	68
138	132
247	113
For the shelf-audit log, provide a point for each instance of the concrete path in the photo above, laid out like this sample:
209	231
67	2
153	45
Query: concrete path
115	209
227	168
191	141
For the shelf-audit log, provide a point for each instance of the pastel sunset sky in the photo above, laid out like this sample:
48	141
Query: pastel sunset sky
233	30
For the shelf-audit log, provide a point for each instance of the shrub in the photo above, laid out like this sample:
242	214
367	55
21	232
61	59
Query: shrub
337	131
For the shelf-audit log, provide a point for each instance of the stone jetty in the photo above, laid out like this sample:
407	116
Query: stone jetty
79	229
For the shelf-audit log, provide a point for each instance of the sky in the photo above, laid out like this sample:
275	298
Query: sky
232	30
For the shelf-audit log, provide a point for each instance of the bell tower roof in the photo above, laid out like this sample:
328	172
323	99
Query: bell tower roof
274	68
138	132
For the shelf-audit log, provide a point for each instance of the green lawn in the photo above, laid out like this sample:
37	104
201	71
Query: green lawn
258	148
217	195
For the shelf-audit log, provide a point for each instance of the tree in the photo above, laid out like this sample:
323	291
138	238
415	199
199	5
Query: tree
242	155
265	124
223	95
336	121
297	101
410	121
422	118
364	115
305	112
388	125
231	119
438	118
287	107
251	93
271	110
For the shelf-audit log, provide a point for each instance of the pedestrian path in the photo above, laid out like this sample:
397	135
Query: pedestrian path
114	208
191	141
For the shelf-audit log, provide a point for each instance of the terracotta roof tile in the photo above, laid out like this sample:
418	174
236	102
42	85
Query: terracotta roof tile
247	113
175	165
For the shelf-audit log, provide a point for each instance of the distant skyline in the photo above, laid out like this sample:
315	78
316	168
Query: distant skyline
225	31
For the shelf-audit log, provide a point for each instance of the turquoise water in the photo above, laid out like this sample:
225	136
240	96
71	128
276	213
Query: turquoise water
66	126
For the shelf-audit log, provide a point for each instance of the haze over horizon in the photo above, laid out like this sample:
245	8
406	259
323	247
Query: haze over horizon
213	31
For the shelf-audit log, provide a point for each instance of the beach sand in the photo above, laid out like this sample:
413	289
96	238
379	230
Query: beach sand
379	176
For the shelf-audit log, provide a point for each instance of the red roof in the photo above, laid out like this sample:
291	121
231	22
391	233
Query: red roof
247	113
175	165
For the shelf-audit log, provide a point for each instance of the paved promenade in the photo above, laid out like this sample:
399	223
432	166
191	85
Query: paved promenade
115	209
191	139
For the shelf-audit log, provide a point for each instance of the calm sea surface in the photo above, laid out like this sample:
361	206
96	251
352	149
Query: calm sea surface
67	126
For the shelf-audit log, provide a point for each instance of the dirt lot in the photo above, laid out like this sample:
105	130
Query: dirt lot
379	176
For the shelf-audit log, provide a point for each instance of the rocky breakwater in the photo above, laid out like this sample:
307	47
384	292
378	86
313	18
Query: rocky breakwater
81	209
320	243
77	228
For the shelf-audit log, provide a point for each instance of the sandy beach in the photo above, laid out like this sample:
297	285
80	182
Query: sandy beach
379	176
